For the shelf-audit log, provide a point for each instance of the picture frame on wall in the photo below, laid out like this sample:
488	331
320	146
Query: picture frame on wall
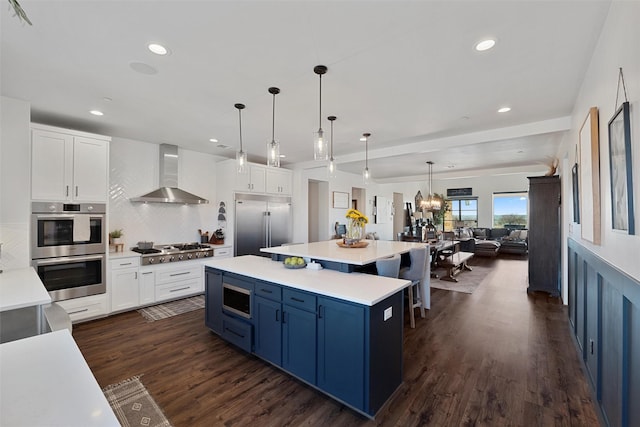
622	215
340	200
576	193
589	182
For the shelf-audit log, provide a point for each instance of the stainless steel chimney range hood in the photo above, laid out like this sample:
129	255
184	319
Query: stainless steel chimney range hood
169	191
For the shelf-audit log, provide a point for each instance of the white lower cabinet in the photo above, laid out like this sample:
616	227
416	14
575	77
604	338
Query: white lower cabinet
85	308
124	283
178	280
147	284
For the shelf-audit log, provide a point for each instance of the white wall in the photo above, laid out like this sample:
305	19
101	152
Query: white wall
134	172
15	183
617	47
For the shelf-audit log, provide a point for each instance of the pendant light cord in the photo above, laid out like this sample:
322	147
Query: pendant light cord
320	109
273	120
240	118
331	143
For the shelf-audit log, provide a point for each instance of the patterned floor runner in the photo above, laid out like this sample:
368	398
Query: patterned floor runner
133	405
173	308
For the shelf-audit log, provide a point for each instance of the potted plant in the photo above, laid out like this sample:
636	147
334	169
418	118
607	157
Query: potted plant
115	236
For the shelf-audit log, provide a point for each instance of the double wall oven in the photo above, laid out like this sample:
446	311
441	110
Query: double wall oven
68	248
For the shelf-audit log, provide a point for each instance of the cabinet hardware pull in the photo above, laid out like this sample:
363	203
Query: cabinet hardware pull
266	291
127	263
284	316
76	191
148	272
179	289
297	299
234	333
78	311
180	274
320	310
67	191
277	312
136	276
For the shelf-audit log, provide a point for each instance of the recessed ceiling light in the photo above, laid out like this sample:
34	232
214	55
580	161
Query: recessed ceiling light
485	45
158	49
97	112
504	110
213	140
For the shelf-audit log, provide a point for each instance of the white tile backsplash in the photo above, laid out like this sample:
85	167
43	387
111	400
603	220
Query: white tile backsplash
134	171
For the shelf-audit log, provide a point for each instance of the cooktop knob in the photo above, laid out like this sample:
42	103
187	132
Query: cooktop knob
171	258
189	256
180	257
161	260
151	260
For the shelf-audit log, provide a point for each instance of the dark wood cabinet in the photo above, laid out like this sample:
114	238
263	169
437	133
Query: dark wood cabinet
544	234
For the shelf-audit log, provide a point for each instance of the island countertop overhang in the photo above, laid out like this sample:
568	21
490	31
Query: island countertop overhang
360	288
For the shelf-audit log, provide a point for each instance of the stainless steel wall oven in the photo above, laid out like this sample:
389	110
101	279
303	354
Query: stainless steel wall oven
68	248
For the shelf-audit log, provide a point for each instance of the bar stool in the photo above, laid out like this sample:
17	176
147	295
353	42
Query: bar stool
416	273
389	267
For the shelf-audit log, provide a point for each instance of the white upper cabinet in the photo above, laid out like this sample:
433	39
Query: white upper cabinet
279	181
253	181
68	165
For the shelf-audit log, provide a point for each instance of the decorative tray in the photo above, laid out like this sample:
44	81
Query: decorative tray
359	244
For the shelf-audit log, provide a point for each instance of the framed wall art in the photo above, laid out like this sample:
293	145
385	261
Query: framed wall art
622	216
340	200
589	185
576	193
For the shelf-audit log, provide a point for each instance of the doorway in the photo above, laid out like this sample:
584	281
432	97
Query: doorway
398	214
318	211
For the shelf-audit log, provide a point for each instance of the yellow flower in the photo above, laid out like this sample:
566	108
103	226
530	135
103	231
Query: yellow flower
356	215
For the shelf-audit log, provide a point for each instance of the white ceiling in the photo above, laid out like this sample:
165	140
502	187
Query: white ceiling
406	71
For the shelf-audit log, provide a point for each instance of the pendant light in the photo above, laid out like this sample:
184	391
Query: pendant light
319	141
273	147
366	175
332	162
241	156
431	203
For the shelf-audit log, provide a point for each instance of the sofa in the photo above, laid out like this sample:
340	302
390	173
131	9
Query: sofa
512	239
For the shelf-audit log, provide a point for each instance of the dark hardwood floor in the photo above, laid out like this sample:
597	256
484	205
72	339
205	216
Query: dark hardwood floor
495	357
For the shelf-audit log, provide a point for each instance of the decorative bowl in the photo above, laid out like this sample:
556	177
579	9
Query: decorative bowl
295	267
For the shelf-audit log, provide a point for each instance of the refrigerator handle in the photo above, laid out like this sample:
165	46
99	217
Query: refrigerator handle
268	214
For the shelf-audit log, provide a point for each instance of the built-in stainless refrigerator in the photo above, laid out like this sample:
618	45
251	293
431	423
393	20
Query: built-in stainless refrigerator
261	222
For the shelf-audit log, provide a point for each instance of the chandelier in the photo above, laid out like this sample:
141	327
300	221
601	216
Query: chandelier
431	202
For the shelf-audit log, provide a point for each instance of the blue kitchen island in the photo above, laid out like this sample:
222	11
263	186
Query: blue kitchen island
339	332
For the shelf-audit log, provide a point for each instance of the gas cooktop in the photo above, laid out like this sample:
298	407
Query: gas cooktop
175	252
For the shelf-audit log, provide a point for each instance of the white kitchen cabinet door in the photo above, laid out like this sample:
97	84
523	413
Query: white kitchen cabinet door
85	308
124	289
90	169
68	165
253	181
279	181
51	165
147	287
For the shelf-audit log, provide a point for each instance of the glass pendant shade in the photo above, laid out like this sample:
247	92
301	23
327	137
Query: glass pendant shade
320	151
331	168
241	155
273	154
273	147
366	175
241	161
431	203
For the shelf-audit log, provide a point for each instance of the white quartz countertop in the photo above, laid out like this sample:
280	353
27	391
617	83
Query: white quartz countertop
124	254
21	288
330	251
45	381
366	289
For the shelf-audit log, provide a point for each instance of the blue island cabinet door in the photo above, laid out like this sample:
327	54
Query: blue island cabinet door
213	300
341	359
299	343
268	333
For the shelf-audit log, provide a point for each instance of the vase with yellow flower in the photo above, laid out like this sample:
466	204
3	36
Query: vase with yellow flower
355	226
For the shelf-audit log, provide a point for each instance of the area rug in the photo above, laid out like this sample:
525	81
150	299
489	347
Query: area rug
173	308
133	405
468	281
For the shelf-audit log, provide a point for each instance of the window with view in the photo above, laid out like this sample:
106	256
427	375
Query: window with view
463	213
510	209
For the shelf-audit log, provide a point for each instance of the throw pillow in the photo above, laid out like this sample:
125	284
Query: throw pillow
515	234
480	233
523	234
